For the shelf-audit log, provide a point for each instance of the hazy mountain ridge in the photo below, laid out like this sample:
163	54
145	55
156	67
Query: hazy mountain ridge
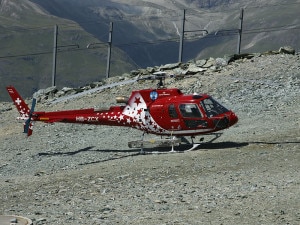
146	33
13	8
26	45
138	21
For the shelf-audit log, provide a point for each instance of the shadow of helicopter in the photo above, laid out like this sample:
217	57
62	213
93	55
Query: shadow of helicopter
179	149
136	151
90	149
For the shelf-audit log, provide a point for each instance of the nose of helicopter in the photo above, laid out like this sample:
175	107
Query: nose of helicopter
233	119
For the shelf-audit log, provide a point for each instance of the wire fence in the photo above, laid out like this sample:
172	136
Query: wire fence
167	37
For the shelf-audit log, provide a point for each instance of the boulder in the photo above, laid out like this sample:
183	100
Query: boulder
169	66
200	62
220	62
50	91
134	72
150	69
287	50
240	56
60	93
144	72
66	91
178	71
210	62
193	69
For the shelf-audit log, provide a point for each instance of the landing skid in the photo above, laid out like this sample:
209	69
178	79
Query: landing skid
154	143
170	142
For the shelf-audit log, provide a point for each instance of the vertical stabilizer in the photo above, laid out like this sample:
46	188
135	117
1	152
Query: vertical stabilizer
22	107
19	102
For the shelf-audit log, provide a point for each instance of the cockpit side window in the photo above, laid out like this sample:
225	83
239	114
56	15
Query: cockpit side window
190	111
212	107
172	111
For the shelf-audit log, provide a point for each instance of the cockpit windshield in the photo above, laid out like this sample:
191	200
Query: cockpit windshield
212	107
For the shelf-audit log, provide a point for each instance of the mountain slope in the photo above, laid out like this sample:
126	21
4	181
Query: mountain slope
27	34
145	33
150	21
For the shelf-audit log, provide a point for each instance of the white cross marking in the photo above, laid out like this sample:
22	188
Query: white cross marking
18	101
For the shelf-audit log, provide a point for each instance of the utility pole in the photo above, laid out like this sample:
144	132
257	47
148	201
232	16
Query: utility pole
109	49
240	31
181	38
54	55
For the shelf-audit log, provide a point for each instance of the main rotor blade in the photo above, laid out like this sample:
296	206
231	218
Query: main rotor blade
94	90
33	105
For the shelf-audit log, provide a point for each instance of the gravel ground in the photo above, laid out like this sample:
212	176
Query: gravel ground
80	174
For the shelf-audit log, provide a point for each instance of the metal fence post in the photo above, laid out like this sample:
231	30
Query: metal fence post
240	30
54	55
109	49
181	38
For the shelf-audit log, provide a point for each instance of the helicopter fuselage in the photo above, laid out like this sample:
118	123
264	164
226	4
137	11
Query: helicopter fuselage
163	111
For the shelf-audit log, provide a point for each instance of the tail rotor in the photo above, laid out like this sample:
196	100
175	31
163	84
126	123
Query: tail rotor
28	124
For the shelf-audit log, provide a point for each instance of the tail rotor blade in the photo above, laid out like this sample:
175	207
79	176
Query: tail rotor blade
28	124
33	105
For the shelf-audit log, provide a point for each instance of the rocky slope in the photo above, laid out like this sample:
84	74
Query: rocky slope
80	174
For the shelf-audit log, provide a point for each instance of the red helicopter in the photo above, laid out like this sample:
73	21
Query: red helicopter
161	111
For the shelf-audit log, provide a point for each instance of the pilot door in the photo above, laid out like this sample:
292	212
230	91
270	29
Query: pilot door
192	116
174	117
